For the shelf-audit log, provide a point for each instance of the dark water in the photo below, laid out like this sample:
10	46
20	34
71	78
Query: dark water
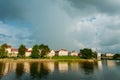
101	70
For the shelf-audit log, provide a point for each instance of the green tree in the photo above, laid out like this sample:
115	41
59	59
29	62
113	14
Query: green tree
35	51
21	50
87	53
44	50
4	45
116	56
3	51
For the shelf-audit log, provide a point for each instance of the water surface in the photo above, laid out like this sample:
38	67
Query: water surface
101	70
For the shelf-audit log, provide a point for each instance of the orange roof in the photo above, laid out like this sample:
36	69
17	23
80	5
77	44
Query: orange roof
63	49
27	50
14	50
9	46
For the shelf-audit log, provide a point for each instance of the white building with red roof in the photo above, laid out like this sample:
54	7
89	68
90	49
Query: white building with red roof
9	49
74	53
12	52
51	54
63	52
28	52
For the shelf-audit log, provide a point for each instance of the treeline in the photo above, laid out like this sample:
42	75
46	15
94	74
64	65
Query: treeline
116	56
41	51
87	53
3	51
38	51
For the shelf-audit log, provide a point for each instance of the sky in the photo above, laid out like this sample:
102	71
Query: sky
68	24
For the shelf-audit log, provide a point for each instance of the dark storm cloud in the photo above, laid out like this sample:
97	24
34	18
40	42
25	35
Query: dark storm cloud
10	9
71	24
110	7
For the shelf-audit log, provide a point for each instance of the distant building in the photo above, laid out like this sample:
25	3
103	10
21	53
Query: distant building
63	52
73	53
108	54
14	53
9	49
52	53
98	56
28	52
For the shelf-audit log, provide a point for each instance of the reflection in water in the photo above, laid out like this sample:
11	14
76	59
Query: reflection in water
99	65
5	68
74	66
88	67
60	70
38	70
26	67
63	66
111	63
51	66
19	70
1	68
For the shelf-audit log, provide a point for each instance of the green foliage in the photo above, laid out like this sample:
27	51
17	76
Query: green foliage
87	53
21	50
35	51
3	52
116	56
44	50
4	45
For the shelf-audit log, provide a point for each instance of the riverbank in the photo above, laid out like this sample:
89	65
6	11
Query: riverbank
45	60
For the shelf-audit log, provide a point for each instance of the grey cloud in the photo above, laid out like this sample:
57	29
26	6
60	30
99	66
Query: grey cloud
56	23
92	7
10	9
109	37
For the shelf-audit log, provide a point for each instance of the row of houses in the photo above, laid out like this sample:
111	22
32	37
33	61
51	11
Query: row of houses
62	52
12	52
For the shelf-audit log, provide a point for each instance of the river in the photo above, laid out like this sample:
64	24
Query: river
101	70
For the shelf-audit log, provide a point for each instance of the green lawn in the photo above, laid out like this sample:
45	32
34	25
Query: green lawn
66	57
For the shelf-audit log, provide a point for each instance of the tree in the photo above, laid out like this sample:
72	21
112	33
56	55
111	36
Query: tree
3	52
44	50
87	53
35	51
21	50
116	56
4	45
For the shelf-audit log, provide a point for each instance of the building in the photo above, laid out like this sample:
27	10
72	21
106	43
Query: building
108	54
98	56
14	53
52	53
63	52
73	53
28	52
9	49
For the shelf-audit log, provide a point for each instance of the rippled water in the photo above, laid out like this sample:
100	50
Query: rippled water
101	70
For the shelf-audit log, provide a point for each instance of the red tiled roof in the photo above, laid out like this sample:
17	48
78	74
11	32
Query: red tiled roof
27	50
63	49
9	46
14	49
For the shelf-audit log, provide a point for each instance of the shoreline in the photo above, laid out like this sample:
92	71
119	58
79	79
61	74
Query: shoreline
47	60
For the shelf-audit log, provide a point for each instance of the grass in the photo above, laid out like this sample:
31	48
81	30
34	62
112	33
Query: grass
54	58
66	57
